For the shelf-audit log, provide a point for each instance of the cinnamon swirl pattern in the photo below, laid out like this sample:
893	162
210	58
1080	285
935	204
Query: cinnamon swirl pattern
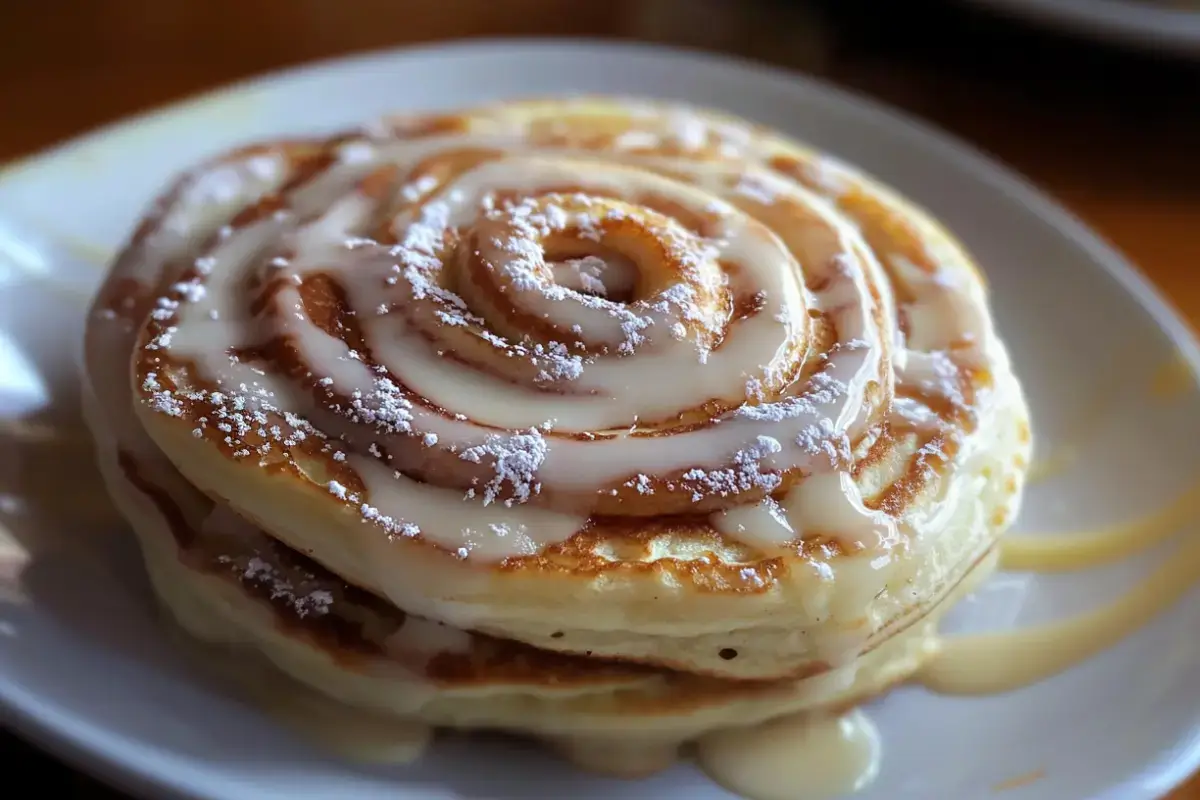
612	390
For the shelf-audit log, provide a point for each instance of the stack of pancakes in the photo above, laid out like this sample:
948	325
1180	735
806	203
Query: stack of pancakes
595	420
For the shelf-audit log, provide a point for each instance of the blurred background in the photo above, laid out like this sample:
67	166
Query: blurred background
1096	101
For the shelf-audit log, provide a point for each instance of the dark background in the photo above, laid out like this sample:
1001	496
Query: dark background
1113	133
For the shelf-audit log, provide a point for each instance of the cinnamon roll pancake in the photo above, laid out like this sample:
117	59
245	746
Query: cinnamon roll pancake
566	417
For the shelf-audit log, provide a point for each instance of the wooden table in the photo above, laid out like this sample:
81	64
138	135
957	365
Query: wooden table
1114	135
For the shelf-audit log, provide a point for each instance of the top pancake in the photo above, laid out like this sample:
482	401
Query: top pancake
602	376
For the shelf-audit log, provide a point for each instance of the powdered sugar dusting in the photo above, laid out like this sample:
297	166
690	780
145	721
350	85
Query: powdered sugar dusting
644	484
514	460
756	188
823	391
386	407
748	473
822	438
281	587
687	130
556	363
828	175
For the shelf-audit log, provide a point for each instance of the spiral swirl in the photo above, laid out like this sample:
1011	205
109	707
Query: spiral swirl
494	331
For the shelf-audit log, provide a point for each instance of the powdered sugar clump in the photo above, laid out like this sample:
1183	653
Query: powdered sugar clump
166	403
589	270
687	130
828	175
393	526
822	438
413	192
642	483
756	188
555	363
385	407
823	391
514	459
746	473
257	570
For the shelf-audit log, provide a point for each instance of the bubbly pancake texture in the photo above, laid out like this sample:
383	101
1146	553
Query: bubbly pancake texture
637	393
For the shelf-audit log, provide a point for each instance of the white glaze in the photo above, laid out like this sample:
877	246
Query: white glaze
803	757
605	376
989	663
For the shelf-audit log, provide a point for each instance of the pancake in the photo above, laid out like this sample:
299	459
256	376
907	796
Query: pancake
663	418
228	583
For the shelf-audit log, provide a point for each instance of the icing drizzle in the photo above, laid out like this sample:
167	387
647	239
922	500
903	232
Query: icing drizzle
490	337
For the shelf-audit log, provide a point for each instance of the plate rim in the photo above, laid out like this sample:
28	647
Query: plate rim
74	739
1121	21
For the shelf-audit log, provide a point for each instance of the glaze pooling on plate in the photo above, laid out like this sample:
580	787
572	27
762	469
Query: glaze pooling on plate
1005	223
991	663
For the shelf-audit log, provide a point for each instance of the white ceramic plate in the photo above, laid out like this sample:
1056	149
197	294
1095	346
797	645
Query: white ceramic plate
85	667
1153	25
